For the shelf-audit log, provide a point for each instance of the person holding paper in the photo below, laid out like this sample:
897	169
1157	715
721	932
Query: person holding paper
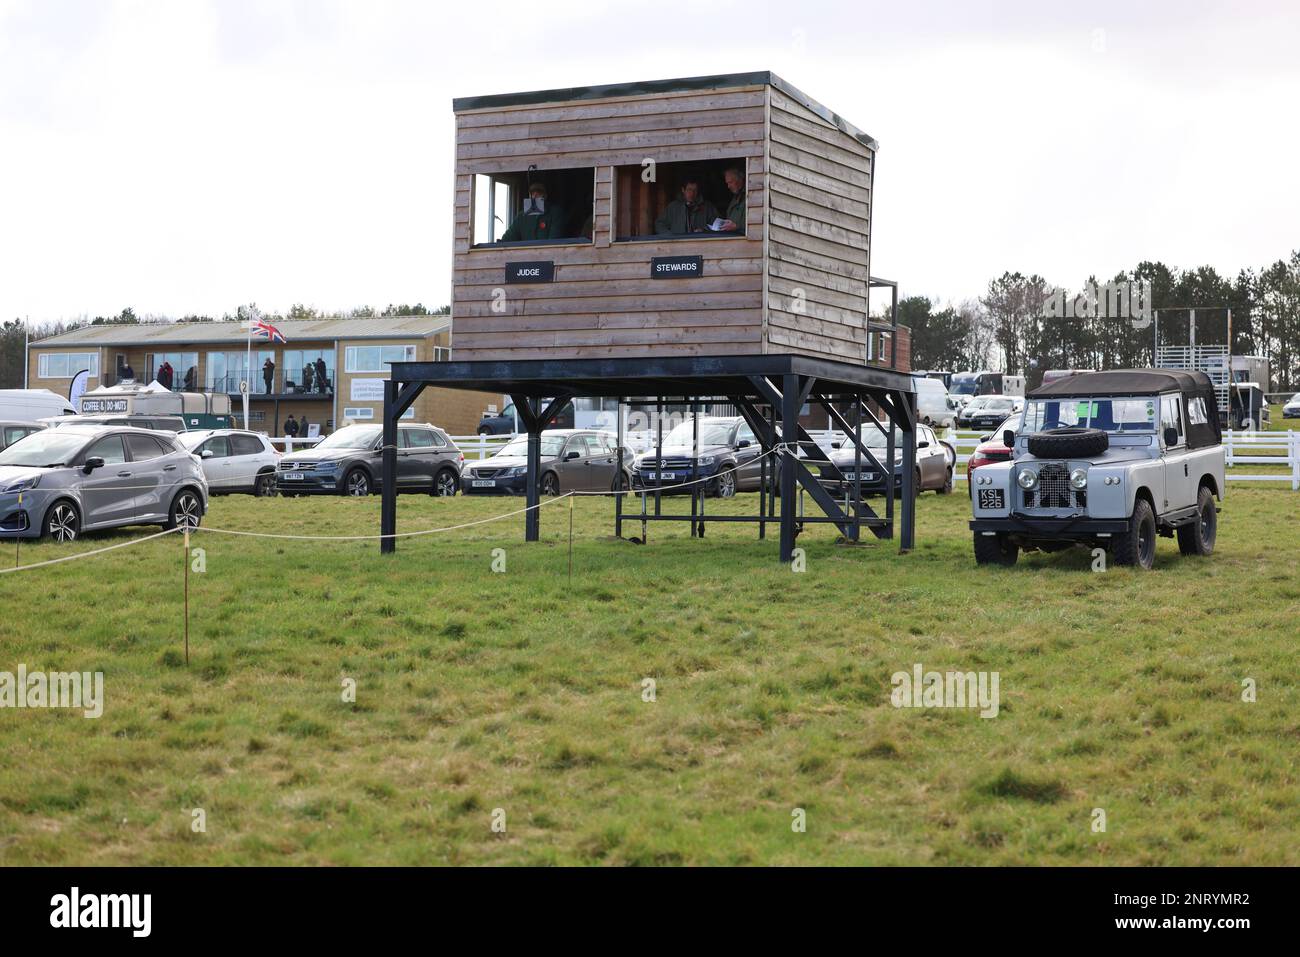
691	213
735	221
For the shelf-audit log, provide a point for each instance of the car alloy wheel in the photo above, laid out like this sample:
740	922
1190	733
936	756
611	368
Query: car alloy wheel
725	486
445	484
186	510
265	487
357	483
550	484
62	524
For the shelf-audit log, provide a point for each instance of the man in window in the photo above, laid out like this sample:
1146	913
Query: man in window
690	213
539	220
321	382
735	222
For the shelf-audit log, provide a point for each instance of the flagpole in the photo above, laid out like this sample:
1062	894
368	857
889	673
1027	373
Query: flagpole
248	358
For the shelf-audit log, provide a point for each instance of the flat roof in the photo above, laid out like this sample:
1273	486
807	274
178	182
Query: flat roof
219	333
693	84
698	376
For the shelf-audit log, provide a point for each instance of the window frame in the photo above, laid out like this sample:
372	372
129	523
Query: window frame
43	358
528	243
615	240
348	352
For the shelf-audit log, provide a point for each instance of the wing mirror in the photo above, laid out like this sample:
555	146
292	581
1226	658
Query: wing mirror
1008	438
572	454
92	463
743	444
207	454
1171	436
922	445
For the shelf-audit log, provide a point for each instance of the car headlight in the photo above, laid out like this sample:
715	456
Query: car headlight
1078	480
327	466
1027	479
515	471
23	485
708	459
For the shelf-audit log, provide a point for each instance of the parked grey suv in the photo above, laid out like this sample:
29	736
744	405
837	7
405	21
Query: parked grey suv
351	462
62	482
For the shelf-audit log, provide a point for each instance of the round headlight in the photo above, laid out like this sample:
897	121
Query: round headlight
1078	480
1027	479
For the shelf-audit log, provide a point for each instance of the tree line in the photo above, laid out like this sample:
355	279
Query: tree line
14	333
1015	328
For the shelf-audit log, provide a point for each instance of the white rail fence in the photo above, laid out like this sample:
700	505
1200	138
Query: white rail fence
1281	449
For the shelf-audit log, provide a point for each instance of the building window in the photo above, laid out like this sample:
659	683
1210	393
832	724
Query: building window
500	216
441	354
643	196
375	358
358	413
65	365
299	372
226	370
184	370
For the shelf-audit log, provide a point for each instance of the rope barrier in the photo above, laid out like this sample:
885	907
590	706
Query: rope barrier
97	551
780	448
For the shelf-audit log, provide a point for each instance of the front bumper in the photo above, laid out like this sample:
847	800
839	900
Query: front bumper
320	483
679	480
1065	529
499	486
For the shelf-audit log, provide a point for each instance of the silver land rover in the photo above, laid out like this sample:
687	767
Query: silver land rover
1106	459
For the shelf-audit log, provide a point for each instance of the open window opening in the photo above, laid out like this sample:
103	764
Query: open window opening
534	207
672	200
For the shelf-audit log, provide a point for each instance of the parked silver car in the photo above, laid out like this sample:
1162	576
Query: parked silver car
234	460
61	482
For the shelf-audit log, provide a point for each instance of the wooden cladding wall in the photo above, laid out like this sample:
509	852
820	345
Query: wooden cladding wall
819	196
603	301
808	201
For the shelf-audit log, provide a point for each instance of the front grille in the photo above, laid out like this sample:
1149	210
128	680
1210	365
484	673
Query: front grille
297	466
485	473
1053	490
670	464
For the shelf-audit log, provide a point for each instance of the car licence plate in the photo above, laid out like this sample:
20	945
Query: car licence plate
991	498
291	476
483	483
853	476
664	476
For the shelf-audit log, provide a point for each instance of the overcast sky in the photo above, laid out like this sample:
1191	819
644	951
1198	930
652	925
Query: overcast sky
186	156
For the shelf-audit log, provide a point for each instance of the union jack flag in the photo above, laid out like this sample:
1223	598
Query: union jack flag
267	331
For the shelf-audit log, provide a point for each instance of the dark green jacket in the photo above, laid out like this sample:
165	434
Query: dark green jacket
549	225
736	210
676	219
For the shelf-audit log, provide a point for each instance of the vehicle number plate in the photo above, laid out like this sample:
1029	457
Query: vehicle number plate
853	476
483	483
657	476
992	498
292	476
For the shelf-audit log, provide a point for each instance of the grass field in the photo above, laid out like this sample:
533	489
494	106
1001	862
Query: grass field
523	691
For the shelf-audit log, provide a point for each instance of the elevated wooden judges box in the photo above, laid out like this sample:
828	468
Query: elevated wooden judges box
607	284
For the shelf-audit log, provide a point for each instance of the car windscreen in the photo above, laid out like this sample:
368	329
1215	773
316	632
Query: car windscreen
44	449
1111	415
351	437
552	445
711	433
964	385
192	439
1000	405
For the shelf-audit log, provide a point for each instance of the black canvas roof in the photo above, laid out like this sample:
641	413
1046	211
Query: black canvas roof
1121	382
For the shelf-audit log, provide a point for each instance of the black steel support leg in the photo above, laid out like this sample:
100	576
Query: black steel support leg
789	427
907	534
388	486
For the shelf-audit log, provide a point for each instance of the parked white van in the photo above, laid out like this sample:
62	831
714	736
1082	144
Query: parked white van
933	404
29	405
